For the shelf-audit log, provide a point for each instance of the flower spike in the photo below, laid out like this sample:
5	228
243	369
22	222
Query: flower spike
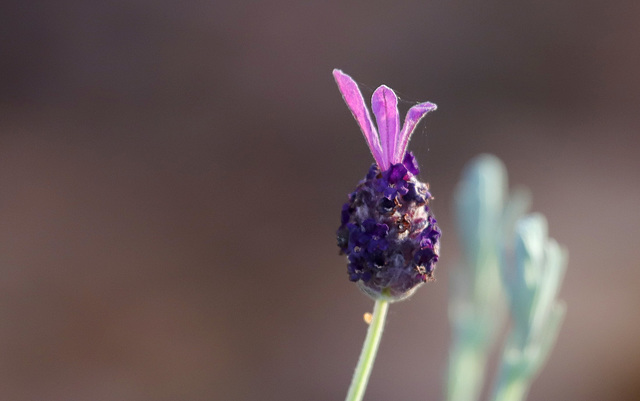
387	230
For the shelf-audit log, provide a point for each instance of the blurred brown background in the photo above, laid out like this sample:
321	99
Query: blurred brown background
171	176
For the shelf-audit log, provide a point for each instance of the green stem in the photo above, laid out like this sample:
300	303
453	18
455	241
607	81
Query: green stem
368	353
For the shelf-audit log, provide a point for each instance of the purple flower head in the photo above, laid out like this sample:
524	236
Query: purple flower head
387	230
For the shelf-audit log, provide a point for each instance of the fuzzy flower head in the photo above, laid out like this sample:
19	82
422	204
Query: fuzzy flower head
387	230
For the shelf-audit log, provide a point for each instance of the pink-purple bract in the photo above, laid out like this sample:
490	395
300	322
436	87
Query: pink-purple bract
388	144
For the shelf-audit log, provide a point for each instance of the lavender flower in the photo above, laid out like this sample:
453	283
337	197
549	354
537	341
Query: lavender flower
387	230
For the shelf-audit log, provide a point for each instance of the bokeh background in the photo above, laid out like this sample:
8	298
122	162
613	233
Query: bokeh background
171	176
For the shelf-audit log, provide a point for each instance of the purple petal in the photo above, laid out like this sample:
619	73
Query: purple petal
345	215
381	230
397	173
384	103
402	187
354	100
411	163
369	225
390	193
414	115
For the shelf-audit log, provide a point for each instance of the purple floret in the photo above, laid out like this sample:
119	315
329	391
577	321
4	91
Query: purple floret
411	164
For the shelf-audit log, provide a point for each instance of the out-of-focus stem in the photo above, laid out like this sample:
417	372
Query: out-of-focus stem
467	364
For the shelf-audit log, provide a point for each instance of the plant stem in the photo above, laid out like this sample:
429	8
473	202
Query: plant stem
369	351
514	375
466	371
